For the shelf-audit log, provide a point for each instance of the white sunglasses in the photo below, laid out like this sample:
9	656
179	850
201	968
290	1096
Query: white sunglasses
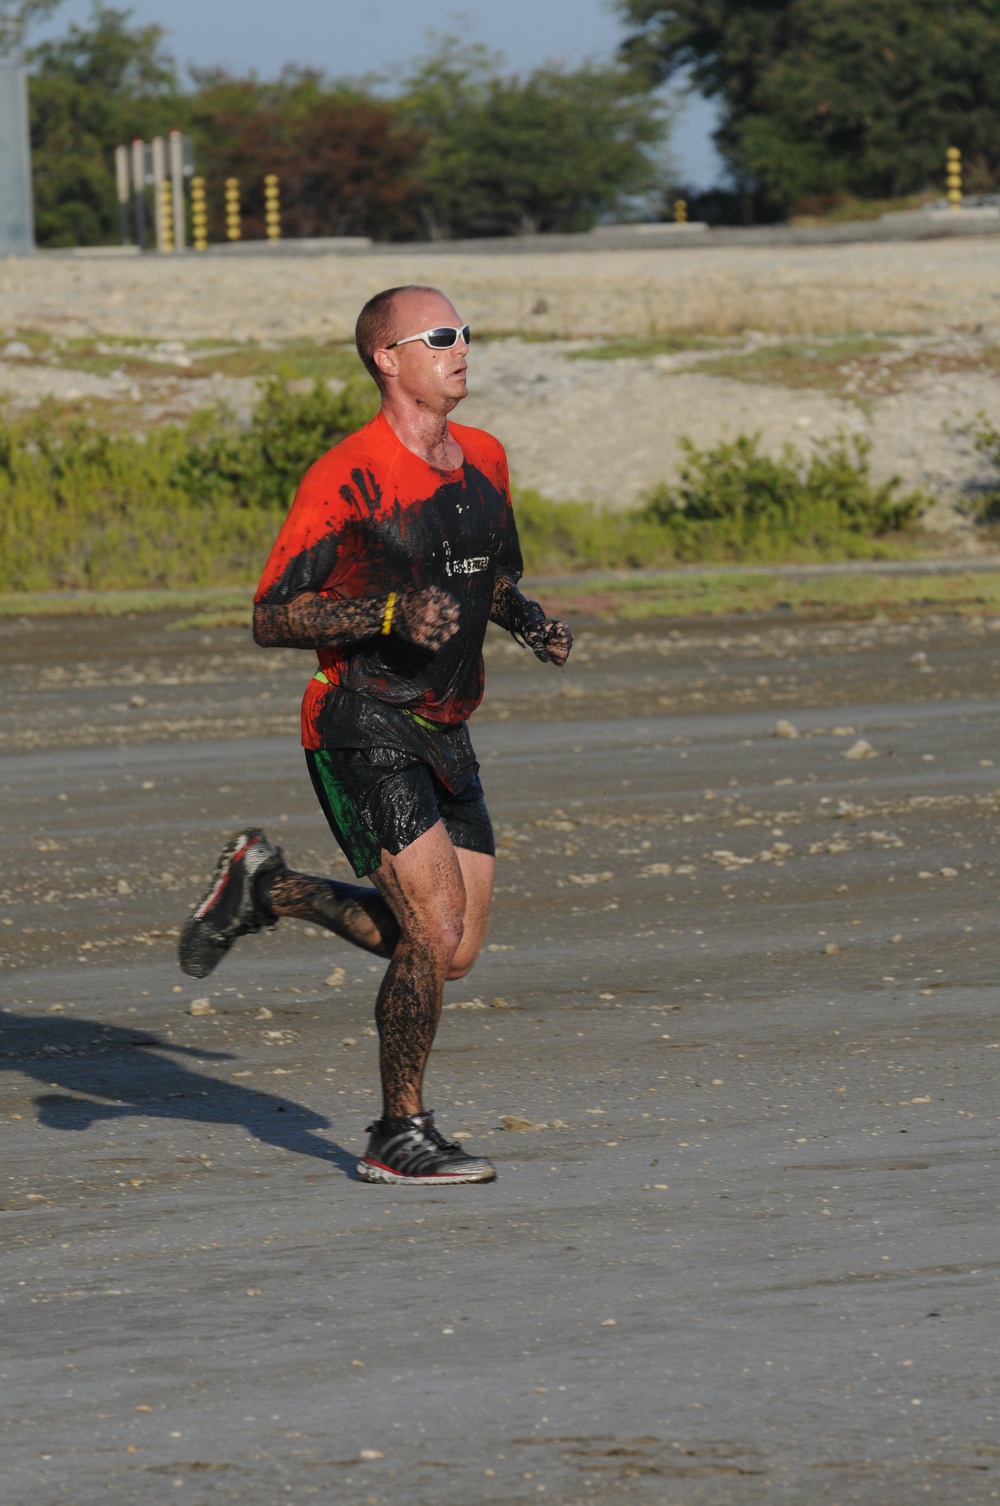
442	338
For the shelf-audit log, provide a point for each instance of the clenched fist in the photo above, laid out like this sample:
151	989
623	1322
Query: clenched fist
427	618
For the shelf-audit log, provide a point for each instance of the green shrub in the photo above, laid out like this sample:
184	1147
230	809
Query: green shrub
94	510
986	438
200	505
732	502
197	505
579	536
262	465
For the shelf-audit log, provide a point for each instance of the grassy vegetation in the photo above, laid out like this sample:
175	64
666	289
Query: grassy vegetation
198	505
644	347
841	209
698	593
714	595
292	360
859	367
733	502
215	603
821	365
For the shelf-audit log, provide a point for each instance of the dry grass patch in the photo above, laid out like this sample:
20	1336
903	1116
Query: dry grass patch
861	596
105	356
645	347
859	366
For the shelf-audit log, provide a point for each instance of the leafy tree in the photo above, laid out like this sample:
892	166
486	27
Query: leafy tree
16	16
860	97
554	150
346	164
101	84
466	150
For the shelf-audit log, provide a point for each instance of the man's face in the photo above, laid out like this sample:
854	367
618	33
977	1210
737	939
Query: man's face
433	379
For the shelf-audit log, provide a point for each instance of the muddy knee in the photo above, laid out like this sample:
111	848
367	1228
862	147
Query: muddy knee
438	941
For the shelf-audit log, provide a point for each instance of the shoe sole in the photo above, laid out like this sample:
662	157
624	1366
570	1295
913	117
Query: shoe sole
199	954
200	951
368	1172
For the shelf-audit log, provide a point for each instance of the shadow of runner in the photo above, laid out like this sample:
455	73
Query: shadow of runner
123	1073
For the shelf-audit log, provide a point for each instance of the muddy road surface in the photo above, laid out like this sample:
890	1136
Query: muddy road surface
738	1014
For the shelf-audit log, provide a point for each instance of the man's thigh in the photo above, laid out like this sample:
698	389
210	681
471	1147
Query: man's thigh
373	807
437	889
423	883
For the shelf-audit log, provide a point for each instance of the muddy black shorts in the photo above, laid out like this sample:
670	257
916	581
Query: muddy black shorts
379	797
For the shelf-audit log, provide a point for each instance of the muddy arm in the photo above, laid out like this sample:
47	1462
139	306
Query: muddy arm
549	640
427	618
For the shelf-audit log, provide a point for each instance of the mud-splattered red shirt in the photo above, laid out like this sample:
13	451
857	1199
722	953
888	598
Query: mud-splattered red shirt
371	517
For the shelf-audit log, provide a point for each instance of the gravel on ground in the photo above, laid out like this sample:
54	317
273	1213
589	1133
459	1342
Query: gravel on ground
919	287
732	1046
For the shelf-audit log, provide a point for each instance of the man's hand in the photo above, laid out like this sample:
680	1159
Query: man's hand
558	641
549	640
427	618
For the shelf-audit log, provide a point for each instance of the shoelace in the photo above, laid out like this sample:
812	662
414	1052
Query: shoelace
434	1134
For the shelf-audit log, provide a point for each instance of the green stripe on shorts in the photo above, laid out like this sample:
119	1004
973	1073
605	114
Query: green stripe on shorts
363	851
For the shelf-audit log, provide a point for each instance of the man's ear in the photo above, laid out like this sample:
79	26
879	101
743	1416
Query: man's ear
386	362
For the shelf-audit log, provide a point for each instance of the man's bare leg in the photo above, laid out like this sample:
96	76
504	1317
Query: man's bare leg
440	896
352	911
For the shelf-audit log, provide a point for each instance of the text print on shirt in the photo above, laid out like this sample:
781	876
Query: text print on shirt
470	566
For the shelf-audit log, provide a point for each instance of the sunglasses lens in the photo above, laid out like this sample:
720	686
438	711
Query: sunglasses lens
444	339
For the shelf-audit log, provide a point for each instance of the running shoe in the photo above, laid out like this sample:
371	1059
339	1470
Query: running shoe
229	910
412	1150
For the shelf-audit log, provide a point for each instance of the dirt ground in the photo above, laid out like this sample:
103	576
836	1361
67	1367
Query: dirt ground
739	993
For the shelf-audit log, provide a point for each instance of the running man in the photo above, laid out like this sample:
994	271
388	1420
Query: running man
399	548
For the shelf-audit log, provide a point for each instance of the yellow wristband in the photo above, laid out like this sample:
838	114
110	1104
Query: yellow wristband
390	607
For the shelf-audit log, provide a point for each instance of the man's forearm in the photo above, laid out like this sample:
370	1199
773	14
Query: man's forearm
514	612
526	621
313	621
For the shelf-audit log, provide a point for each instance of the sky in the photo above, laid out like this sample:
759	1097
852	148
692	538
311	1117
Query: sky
371	36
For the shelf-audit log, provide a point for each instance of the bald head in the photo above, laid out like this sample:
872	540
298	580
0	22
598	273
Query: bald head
384	319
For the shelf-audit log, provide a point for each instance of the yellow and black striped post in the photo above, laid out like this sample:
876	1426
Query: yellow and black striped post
199	215
954	160
272	207
166	215
233	230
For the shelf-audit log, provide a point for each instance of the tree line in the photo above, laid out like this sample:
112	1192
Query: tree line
460	148
819	99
